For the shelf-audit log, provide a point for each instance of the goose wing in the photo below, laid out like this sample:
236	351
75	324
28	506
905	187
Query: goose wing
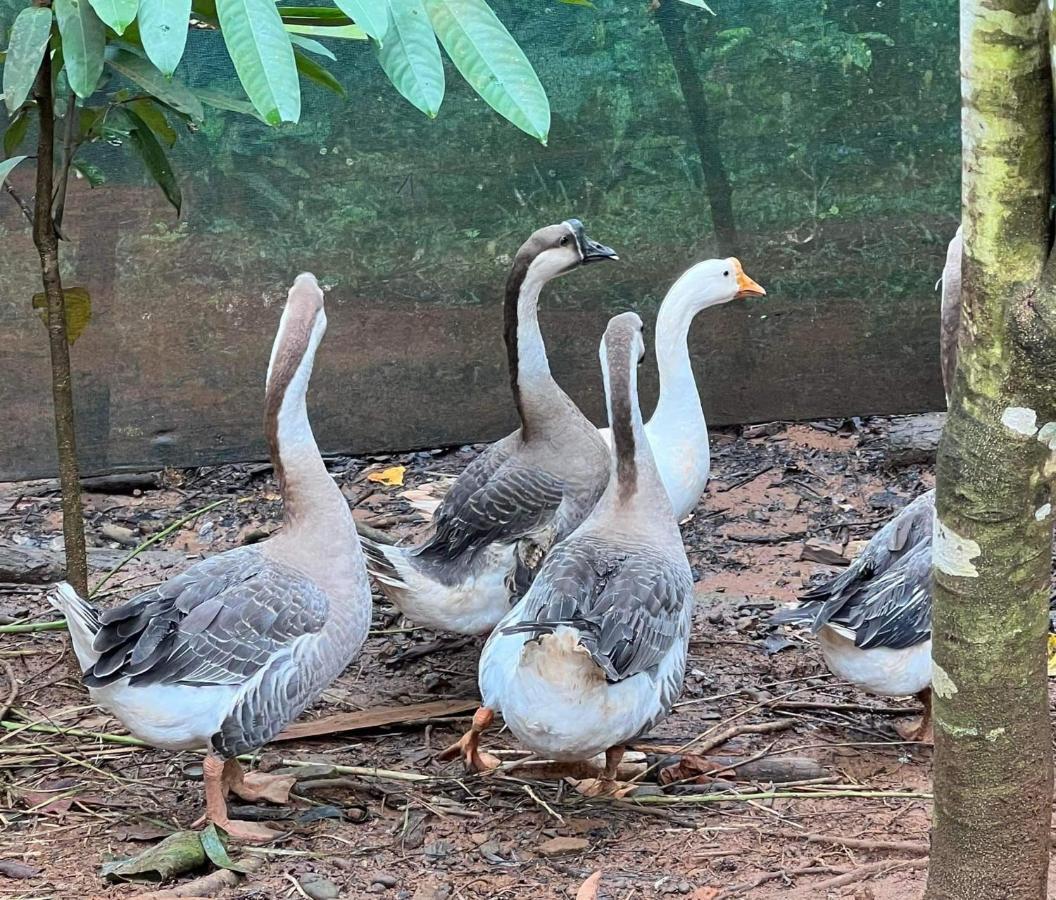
498	498
626	604
219	622
894	611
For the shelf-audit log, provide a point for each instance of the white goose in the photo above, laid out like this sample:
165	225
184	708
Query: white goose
223	656
524	492
594	654
677	431
873	621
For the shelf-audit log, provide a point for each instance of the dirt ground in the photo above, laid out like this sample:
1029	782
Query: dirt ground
781	497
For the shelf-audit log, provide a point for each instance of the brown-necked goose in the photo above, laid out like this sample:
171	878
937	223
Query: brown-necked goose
524	492
223	656
873	621
594	654
677	430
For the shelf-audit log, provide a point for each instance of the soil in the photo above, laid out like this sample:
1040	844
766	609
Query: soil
74	802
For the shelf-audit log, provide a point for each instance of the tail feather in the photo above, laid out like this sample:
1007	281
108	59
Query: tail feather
82	619
380	565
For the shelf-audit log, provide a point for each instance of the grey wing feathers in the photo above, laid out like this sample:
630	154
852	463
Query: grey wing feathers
501	503
219	622
627	605
884	597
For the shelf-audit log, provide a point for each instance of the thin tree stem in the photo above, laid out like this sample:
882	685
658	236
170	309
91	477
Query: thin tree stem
69	148
46	239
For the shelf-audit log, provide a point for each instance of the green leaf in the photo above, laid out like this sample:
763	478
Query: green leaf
579	3
178	853
311	70
262	53
118	14
29	38
169	91
411	57
154	158
92	174
306	43
342	32
370	15
16	132
490	60
83	40
699	4
152	114
163	26
78	305
216	849
219	100
7	165
313	15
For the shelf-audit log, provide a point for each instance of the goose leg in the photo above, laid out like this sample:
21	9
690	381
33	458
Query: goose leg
254	786
920	729
467	745
613	757
216	806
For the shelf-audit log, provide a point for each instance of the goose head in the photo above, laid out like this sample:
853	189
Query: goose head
557	249
301	329
713	282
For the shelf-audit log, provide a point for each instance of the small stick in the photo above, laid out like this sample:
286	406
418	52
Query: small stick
736	889
33	627
528	790
857	843
11	694
207	885
845	707
375	534
695	799
869	870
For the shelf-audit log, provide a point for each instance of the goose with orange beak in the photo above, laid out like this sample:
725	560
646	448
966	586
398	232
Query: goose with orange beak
677	431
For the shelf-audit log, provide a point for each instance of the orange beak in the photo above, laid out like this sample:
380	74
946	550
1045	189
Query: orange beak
746	287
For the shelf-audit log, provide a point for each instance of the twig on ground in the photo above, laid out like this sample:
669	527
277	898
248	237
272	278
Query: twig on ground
735	889
856	843
207	885
374	534
860	873
694	799
5	705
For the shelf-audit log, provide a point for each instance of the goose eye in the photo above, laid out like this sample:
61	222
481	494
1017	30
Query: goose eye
726	274
564	241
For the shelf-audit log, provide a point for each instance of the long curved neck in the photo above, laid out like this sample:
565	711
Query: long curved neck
311	499
634	482
679	396
530	378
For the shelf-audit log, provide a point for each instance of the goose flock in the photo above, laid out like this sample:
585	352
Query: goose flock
560	541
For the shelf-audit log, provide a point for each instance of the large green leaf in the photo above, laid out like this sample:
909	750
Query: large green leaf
163	26
490	60
370	15
16	132
312	46
118	14
311	70
169	91
262	53
343	32
411	57
83	41
220	100
29	37
7	165
153	114
154	158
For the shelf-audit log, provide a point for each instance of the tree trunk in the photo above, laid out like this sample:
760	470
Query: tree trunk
672	22
993	532
47	242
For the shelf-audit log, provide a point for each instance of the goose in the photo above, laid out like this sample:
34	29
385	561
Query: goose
226	654
524	492
873	621
677	431
595	652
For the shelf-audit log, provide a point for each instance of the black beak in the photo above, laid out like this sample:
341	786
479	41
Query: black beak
590	251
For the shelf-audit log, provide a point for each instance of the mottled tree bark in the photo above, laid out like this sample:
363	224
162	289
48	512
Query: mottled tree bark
671	19
993	531
46	239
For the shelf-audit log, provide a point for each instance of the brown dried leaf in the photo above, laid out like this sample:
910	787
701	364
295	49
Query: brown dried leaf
690	768
588	890
559	846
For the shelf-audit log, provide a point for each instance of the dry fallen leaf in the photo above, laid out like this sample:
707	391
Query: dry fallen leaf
588	890
393	476
559	846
